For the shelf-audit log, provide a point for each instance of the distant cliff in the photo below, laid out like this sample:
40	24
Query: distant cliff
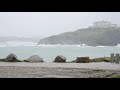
91	36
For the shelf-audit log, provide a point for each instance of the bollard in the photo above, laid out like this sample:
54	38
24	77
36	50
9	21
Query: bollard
117	58
112	58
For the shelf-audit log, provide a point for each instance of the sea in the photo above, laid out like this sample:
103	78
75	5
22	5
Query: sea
24	50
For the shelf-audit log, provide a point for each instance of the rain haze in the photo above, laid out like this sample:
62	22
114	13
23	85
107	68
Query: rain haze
31	47
43	24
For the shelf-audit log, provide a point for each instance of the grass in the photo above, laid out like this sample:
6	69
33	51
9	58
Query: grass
102	59
113	75
116	76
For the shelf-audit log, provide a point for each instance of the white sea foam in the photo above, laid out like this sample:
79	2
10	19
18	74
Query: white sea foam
26	43
104	46
101	46
117	45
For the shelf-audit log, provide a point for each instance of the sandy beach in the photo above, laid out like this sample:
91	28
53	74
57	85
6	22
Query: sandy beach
58	70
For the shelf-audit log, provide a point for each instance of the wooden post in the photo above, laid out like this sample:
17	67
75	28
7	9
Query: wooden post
117	59
112	58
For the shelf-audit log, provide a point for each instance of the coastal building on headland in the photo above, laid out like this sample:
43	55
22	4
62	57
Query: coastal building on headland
103	24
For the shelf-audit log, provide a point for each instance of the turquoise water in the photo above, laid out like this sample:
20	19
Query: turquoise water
48	53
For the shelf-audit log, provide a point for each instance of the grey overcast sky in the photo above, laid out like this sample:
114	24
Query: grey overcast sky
35	24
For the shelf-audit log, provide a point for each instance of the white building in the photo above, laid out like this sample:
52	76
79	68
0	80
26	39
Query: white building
103	24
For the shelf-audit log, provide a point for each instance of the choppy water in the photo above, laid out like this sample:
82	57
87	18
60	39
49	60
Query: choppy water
49	52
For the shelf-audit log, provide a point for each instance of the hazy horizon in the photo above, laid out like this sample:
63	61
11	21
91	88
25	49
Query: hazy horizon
43	24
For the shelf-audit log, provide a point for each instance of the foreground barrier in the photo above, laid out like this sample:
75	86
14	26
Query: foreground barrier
82	60
115	59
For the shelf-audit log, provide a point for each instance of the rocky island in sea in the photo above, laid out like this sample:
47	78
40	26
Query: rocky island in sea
102	33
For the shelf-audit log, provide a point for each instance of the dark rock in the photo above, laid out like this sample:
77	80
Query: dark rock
2	60
34	58
60	58
82	60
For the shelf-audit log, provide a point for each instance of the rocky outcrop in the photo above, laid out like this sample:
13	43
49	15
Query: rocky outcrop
82	60
11	58
60	58
34	58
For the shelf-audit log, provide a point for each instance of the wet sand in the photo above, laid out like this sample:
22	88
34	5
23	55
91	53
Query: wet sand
58	70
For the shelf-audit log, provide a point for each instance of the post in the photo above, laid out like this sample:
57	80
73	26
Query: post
112	58
117	59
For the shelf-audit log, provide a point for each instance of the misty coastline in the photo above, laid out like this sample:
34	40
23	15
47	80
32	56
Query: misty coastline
60	45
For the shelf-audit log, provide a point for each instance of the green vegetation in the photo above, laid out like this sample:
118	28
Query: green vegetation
113	75
116	76
2	60
74	61
104	59
89	36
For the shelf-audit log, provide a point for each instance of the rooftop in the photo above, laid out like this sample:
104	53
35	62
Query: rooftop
103	24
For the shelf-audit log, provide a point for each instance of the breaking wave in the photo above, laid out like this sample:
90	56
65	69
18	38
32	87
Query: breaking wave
23	43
